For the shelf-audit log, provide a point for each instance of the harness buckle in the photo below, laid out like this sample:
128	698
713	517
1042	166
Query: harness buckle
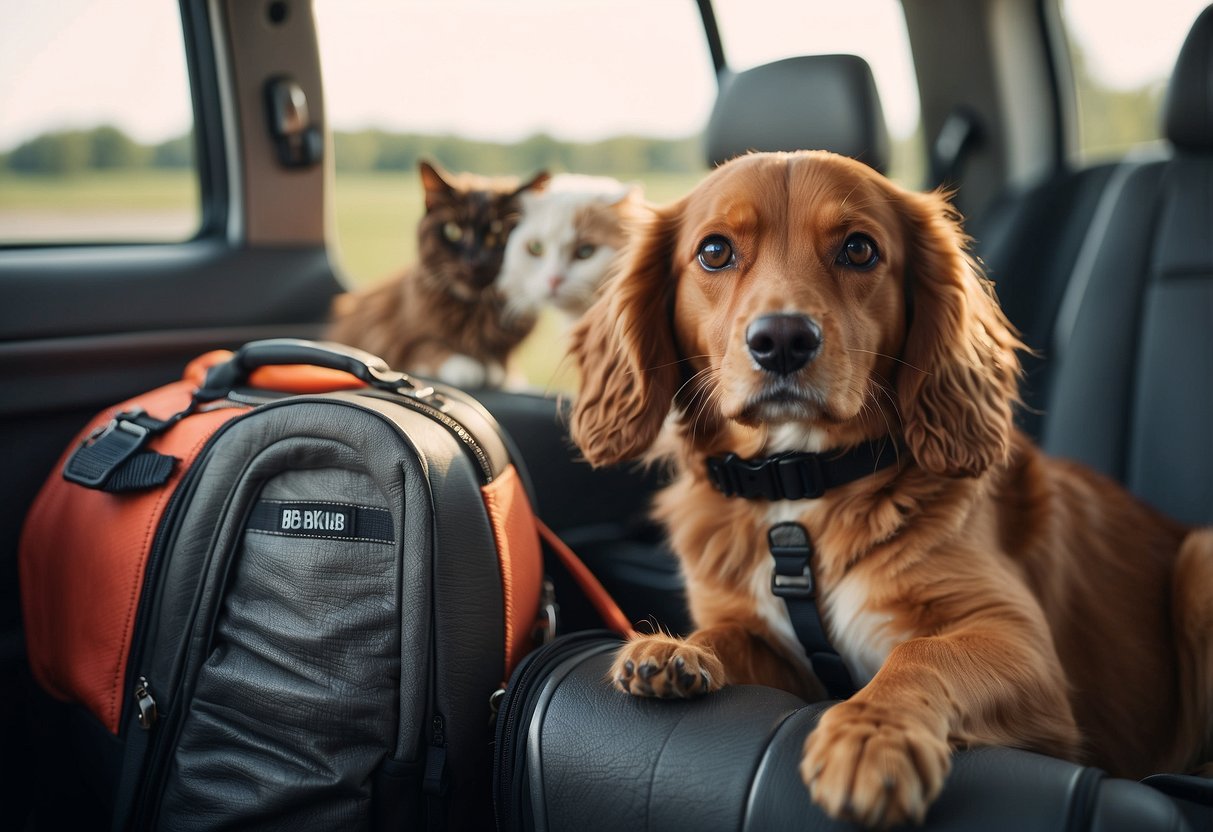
793	586
791	550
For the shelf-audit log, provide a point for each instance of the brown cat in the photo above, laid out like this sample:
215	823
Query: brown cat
444	317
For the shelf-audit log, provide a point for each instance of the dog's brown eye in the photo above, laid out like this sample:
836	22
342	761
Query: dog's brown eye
858	252
716	253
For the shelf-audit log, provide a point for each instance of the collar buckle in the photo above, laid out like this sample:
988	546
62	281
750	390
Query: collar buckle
798	475
790	476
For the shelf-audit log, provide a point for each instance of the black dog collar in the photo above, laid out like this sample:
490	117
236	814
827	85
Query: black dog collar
797	475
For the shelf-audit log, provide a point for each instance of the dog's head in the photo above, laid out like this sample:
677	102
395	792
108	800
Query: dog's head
805	298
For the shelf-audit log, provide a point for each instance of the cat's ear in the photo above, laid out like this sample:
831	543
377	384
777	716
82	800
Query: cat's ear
627	194
538	182
436	182
629	204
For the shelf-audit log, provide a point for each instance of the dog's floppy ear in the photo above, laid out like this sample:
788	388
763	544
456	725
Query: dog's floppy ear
959	384
624	348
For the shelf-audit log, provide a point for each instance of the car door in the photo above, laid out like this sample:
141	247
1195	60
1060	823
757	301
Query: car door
85	324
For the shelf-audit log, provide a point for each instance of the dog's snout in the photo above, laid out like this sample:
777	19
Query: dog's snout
783	344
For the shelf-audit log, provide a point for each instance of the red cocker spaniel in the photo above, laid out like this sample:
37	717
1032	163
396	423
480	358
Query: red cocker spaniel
980	592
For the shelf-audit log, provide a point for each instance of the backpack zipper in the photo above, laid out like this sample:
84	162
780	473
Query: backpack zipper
434	411
146	713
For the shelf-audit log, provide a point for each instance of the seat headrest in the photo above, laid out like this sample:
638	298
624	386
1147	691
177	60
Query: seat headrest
815	102
1188	111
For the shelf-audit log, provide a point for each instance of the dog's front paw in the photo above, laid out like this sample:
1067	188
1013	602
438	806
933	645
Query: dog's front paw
666	667
870	764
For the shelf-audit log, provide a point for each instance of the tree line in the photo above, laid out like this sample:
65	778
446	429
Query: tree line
67	152
1111	120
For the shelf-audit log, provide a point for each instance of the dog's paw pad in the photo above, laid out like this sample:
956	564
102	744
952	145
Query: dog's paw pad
666	668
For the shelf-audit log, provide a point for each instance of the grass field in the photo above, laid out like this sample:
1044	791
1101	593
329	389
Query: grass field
102	206
374	217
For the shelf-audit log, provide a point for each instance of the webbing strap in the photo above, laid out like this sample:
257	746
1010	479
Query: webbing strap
112	457
792	580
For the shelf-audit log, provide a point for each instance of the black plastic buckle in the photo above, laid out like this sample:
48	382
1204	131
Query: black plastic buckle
801	476
792	550
105	450
790	476
731	474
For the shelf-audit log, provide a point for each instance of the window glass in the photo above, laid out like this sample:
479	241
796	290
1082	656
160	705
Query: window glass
1121	63
96	123
619	88
756	32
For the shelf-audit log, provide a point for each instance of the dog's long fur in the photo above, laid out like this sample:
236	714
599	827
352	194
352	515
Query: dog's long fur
985	593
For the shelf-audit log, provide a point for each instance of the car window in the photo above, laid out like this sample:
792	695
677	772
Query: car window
1121	63
620	88
756	32
96	124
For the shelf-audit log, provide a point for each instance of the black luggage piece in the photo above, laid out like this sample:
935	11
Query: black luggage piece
575	754
286	672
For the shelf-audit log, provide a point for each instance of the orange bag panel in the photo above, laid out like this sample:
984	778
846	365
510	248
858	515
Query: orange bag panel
84	552
82	559
521	560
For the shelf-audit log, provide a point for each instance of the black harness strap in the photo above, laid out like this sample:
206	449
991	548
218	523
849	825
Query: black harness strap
792	581
801	476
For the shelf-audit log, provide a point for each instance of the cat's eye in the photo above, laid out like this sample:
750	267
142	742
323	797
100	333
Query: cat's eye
534	248
716	253
453	232
858	252
585	251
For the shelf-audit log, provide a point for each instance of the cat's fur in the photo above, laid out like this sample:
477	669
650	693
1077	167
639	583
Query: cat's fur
565	243
444	317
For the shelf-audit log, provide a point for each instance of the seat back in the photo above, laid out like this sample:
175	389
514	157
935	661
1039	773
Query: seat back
1132	388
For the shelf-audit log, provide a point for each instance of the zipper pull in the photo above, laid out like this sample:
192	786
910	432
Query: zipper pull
495	699
435	758
148	713
549	612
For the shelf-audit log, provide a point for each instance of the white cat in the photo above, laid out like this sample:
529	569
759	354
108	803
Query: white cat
561	249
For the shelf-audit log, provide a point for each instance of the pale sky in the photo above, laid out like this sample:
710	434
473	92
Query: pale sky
579	69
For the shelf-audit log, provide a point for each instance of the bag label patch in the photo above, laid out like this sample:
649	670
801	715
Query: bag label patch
341	521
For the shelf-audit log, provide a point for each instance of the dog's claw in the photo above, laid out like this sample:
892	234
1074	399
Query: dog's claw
666	667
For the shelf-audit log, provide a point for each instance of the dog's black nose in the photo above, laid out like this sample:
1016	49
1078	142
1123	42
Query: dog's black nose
783	343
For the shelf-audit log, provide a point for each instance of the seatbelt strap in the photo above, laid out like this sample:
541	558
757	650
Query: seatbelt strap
792	580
